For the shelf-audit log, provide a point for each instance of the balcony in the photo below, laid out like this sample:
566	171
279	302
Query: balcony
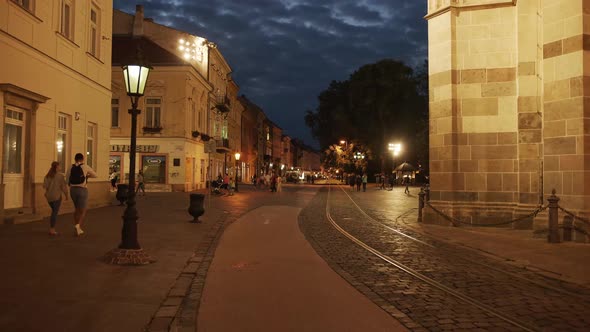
222	103
222	145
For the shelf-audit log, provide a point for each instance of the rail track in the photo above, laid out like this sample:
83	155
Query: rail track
522	322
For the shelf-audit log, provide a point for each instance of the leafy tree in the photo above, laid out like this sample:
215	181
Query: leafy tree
380	103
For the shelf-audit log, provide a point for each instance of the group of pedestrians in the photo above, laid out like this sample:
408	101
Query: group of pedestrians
386	182
74	185
56	188
272	182
358	180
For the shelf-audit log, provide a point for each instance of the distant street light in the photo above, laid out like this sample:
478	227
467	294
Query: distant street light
237	155
129	251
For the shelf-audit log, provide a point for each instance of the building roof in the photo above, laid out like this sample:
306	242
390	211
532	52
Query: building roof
125	51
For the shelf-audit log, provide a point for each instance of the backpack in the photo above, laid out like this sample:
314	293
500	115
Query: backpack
77	174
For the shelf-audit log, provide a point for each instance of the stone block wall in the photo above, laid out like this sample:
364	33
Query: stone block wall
506	126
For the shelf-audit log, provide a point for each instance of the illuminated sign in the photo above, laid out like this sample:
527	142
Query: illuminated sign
139	148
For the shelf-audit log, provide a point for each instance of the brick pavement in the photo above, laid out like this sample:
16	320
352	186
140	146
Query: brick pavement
512	293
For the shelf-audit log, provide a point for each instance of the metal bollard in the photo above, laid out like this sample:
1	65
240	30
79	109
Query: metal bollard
421	195
568	228
553	236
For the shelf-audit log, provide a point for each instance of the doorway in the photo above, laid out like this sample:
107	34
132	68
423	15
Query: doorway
14	157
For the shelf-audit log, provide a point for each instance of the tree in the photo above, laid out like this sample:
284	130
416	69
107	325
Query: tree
379	103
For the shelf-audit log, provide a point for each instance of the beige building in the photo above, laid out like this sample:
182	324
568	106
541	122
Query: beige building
186	111
54	96
508	117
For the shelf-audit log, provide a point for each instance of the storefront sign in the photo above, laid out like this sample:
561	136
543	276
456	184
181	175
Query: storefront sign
140	148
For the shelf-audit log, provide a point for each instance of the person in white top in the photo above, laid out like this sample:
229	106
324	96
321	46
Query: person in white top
77	180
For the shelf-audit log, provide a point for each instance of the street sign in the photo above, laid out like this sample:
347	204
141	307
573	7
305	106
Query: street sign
210	146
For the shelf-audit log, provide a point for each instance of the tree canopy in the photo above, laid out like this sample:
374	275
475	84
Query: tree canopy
380	103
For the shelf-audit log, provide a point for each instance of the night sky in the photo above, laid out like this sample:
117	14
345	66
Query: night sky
285	52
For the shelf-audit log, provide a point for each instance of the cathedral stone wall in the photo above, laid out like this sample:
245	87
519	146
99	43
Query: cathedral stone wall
507	116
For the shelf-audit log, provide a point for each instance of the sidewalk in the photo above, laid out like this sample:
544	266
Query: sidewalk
265	276
60	283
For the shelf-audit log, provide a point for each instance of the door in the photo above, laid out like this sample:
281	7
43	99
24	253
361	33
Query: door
14	141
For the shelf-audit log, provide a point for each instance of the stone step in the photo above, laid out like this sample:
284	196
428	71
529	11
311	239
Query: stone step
22	218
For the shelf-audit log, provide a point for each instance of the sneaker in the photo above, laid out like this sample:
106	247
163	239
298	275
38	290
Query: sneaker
79	230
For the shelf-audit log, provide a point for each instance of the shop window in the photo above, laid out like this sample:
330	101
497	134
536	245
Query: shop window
114	113
67	19
153	111
115	165
154	169
94	37
63	124
91	145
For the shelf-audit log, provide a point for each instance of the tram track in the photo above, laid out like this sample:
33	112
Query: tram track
416	274
462	257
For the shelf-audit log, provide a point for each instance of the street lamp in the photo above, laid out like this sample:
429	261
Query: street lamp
237	155
129	251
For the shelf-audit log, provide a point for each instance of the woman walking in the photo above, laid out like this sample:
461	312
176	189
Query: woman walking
54	185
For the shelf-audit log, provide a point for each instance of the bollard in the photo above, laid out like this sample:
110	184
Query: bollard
196	208
553	236
421	195
568	228
122	193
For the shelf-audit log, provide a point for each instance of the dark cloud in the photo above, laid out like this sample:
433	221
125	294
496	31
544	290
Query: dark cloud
285	52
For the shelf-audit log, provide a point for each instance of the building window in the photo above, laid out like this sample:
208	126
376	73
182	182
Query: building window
193	116
202	170
62	138
153	111
91	145
115	113
67	19
94	38
26	4
13	141
200	121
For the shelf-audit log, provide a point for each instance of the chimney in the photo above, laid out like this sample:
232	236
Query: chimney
138	21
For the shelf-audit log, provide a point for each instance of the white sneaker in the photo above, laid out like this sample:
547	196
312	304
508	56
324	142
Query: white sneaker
79	230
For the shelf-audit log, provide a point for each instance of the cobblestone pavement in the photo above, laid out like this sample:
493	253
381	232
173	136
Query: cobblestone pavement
535	302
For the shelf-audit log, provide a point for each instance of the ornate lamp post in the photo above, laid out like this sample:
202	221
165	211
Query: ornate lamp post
129	251
237	155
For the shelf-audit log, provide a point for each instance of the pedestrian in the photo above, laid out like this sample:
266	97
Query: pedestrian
364	179
358	181
78	176
351	181
273	183
279	184
113	178
140	183
225	184
54	185
407	181
382	181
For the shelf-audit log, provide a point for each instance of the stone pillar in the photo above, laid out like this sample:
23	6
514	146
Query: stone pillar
566	117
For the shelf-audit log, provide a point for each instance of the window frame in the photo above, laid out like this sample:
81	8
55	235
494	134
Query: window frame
91	140
65	129
115	107
94	27
21	3
70	24
150	113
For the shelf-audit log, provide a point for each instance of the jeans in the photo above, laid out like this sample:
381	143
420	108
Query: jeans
54	211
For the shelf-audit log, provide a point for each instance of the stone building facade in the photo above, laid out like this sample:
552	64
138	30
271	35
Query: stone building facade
54	97
508	117
187	103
